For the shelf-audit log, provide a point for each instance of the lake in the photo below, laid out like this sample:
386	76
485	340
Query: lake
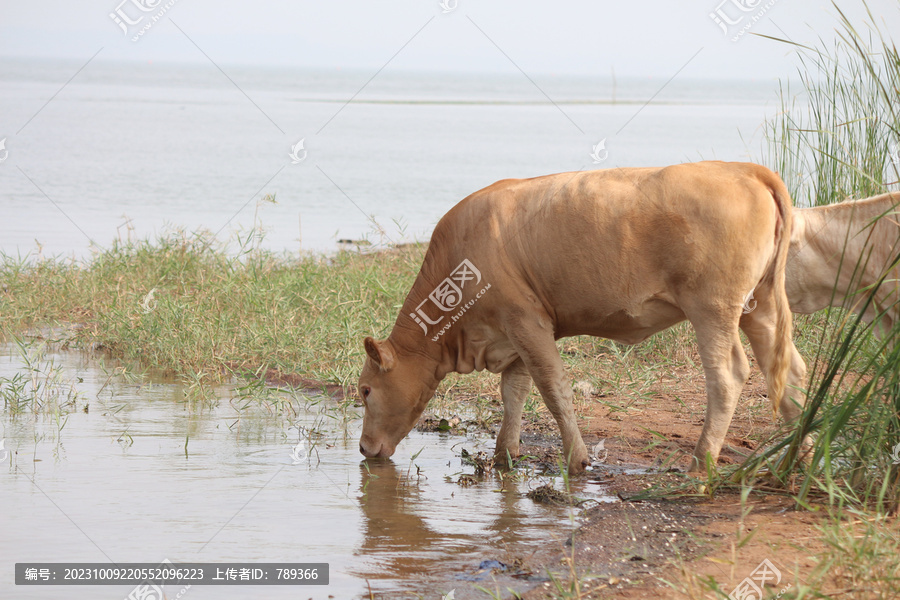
137	149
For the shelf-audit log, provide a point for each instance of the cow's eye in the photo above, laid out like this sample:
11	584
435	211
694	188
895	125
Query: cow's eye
366	391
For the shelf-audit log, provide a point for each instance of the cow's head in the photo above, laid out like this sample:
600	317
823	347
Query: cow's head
395	391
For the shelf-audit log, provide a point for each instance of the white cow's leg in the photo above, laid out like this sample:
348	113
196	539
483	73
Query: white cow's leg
532	339
515	383
726	368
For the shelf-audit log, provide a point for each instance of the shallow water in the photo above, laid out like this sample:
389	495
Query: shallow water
145	475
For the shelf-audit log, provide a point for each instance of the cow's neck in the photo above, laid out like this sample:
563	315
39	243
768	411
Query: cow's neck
471	348
438	335
459	350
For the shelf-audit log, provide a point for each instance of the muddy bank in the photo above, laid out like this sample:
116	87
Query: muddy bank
652	548
662	549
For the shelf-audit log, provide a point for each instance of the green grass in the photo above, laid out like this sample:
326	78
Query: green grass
211	312
835	138
862	554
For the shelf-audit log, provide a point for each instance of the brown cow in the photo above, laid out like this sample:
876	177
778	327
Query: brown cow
617	253
838	254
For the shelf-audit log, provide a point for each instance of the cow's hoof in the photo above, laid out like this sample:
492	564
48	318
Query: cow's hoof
504	461
577	467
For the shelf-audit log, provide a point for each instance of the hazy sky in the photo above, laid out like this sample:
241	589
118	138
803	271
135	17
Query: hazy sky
649	38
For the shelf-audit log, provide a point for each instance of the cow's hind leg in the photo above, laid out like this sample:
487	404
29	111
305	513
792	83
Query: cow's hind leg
515	383
532	338
759	326
726	368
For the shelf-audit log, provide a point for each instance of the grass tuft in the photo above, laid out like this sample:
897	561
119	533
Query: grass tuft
184	305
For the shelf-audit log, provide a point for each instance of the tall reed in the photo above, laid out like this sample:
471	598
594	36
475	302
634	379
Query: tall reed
840	138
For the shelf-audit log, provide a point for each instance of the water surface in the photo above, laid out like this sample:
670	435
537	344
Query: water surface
131	149
132	472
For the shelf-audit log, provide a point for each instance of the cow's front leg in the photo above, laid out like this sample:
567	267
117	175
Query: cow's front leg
515	383
532	337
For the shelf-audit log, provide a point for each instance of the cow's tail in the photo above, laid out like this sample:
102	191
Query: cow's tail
782	350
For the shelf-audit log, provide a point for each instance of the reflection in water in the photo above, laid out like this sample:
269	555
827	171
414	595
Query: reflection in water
402	540
507	526
411	537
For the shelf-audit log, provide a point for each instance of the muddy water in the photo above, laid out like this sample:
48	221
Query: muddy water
137	473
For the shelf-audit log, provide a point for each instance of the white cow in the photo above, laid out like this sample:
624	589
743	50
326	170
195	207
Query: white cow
839	253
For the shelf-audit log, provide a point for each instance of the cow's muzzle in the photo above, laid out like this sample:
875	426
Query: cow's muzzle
376	449
370	450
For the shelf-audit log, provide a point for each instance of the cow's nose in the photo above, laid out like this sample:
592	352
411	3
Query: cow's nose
365	452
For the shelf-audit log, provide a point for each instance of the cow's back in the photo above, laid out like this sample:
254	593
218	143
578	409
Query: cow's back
614	252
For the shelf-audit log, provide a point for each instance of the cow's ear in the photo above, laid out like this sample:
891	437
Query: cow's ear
380	352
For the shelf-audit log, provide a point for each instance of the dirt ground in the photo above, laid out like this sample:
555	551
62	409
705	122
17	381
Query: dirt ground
662	548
